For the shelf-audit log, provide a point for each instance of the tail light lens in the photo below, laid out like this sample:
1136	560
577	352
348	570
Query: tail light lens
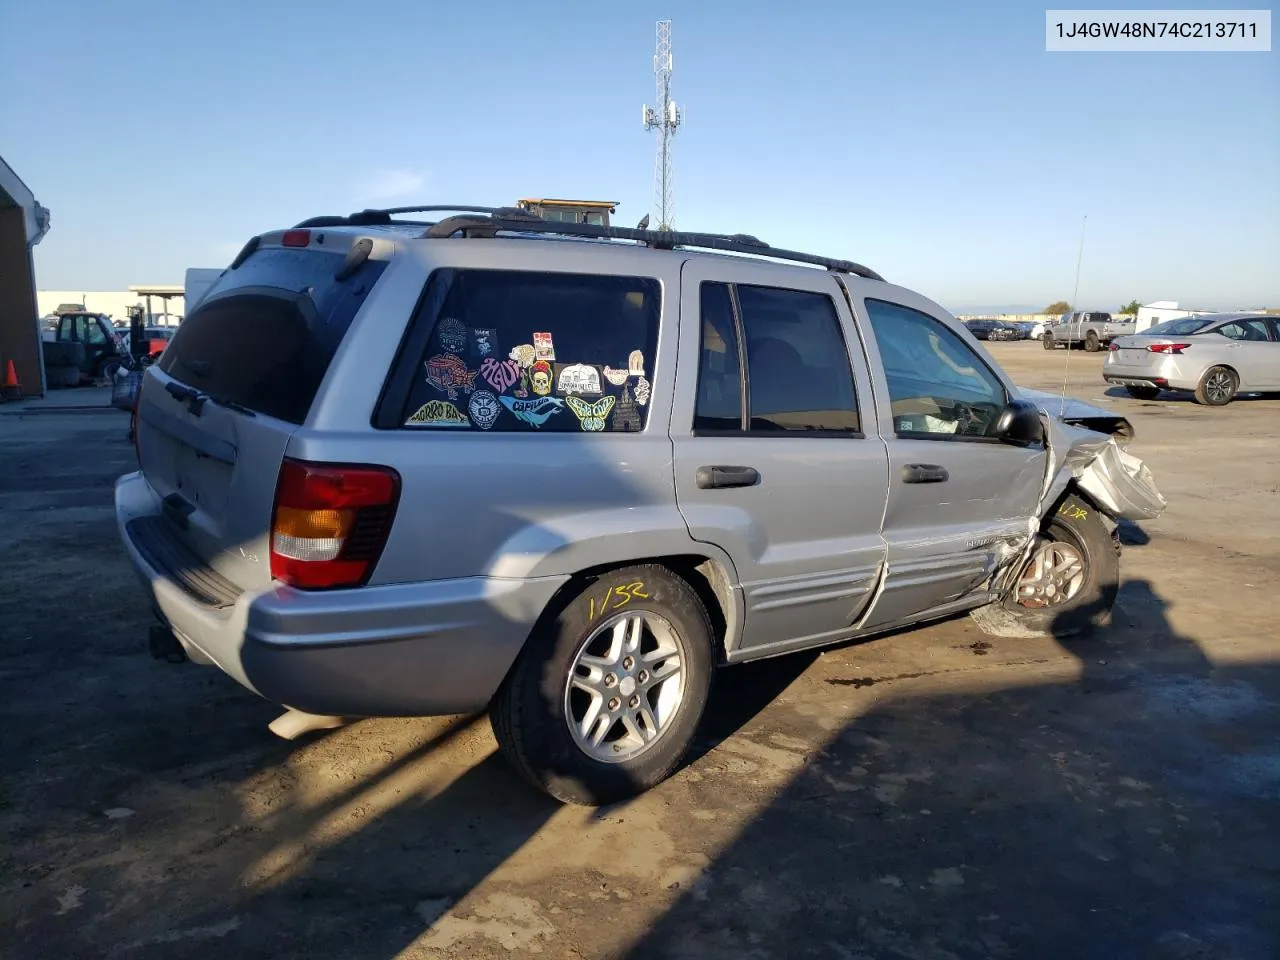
330	523
1168	347
1113	346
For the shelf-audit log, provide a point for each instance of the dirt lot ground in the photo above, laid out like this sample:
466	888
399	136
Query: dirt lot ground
930	795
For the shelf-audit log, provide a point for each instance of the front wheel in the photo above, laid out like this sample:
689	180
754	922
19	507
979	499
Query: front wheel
605	699
1047	341
1217	387
1069	583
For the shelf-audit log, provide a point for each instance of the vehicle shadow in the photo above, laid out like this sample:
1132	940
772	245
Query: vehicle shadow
1117	824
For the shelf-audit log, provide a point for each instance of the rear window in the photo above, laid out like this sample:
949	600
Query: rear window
266	333
515	351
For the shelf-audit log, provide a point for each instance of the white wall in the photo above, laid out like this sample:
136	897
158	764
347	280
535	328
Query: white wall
113	303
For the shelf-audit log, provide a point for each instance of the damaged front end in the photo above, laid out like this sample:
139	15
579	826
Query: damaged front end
1090	459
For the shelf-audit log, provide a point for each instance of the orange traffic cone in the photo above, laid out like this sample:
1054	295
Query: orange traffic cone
11	389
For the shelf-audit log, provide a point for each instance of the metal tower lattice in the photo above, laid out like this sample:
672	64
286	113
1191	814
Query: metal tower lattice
665	118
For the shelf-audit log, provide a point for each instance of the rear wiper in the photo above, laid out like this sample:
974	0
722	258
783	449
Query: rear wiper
180	392
230	405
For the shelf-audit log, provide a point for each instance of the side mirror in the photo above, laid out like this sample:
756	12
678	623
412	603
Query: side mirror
1020	425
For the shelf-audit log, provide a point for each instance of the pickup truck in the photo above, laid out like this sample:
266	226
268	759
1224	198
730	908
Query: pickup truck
1094	330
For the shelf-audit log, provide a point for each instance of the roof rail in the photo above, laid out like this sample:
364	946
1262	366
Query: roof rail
382	217
657	239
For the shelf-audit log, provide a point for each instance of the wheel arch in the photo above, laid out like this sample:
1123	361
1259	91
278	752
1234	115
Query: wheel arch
711	577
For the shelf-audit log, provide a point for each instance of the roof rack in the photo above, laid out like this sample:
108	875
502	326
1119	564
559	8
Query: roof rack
477	226
382	217
472	221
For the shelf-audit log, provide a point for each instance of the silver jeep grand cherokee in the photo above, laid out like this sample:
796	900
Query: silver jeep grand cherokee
487	461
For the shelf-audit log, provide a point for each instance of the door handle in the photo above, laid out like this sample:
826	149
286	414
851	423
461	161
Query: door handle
924	473
713	478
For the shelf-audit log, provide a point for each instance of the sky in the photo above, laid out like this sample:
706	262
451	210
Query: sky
937	143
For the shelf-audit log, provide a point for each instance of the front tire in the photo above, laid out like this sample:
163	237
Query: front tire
1047	340
1068	585
1217	387
604	700
1142	393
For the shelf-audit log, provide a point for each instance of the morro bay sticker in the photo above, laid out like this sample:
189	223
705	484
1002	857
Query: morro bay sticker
579	378
615	376
438	413
635	364
484	409
534	412
452	335
543	348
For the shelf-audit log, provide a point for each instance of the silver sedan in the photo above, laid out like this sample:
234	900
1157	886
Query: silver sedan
1215	357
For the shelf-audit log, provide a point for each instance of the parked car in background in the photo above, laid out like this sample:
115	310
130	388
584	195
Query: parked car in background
992	330
1030	330
1092	329
103	352
1215	357
324	508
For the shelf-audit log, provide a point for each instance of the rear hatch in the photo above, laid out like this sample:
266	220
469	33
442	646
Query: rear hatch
215	414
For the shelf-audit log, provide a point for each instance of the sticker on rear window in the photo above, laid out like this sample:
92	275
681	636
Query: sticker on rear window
448	374
543	347
452	335
500	374
579	378
484	343
540	377
524	355
626	416
635	364
534	412
642	391
591	415
615	376
438	413
484	409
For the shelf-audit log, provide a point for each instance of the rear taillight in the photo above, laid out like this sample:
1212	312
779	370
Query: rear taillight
1113	346
331	522
295	238
1168	347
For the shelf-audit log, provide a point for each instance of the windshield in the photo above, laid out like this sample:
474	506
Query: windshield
1176	328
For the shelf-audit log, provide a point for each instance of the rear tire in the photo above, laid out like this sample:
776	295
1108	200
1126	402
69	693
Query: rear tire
1142	393
1091	342
1217	387
539	699
1077	526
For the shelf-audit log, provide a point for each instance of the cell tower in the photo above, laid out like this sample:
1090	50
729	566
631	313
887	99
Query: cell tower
665	118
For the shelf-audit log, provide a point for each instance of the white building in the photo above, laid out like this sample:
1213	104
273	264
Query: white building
1162	310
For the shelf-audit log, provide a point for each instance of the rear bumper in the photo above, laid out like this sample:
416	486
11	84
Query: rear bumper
1160	371
439	647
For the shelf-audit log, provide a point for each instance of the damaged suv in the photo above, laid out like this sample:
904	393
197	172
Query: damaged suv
563	472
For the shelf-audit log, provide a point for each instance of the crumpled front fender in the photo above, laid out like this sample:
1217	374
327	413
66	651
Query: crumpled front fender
1119	483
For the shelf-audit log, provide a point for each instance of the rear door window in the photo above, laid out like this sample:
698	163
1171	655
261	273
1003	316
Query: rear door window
517	351
265	335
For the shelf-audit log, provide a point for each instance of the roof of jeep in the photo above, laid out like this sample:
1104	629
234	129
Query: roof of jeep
511	223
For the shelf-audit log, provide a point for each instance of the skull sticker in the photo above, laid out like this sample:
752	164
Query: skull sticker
540	377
